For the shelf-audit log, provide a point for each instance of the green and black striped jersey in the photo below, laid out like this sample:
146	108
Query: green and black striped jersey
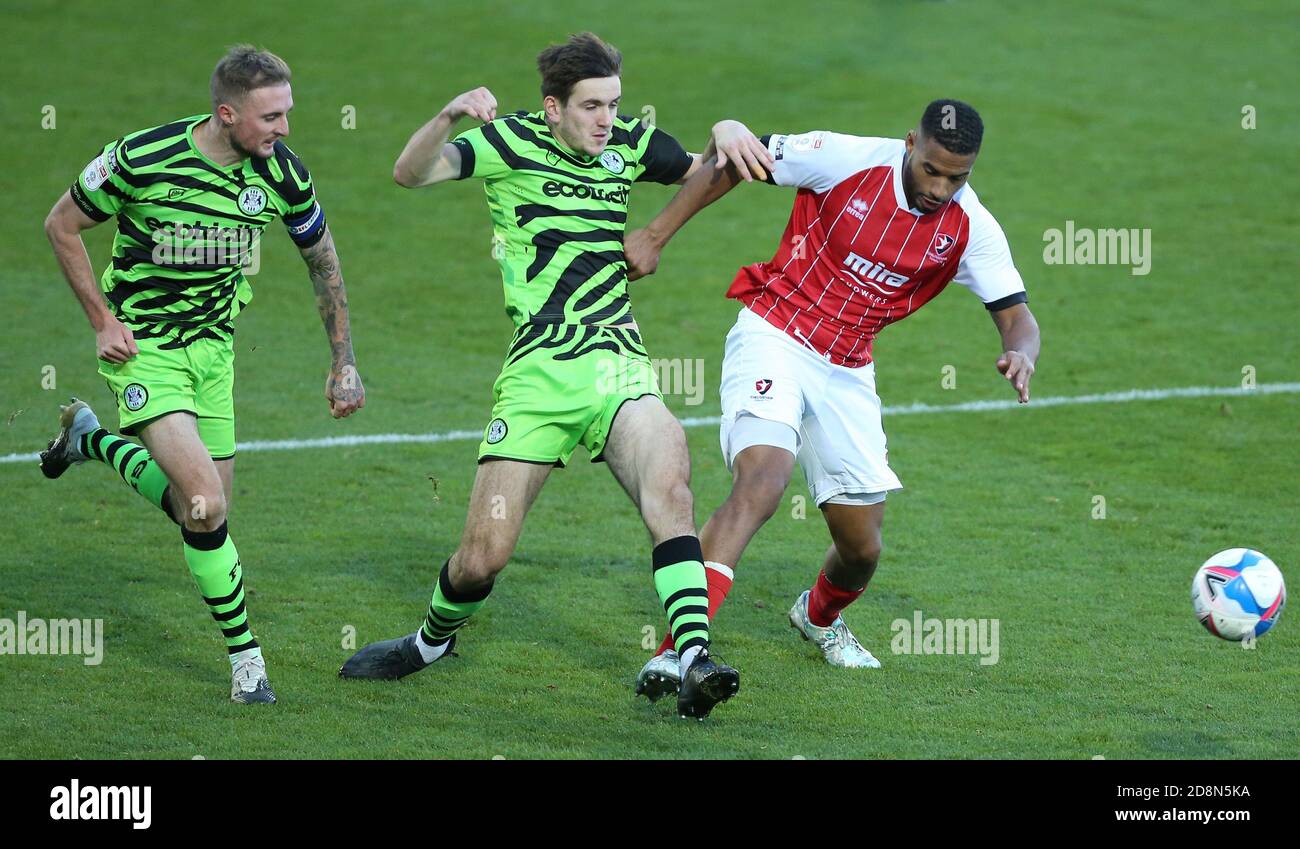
558	217
187	228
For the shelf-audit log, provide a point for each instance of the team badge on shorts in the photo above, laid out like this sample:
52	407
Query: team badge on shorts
252	200
135	397
762	386
496	431
613	161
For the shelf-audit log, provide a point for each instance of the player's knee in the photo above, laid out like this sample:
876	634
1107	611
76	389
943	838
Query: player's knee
758	494
861	554
204	510
477	563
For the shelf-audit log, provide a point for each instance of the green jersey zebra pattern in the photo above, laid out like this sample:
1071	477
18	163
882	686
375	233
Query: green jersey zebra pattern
558	217
186	227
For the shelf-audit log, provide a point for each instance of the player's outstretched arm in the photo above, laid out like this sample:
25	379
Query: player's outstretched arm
732	144
343	387
427	157
113	339
733	154
1020	345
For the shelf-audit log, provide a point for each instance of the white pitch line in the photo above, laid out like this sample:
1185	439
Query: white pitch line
701	421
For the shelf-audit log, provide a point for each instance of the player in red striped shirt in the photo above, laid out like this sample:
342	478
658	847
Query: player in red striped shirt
879	228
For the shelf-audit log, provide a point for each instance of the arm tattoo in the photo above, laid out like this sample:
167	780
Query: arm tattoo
331	297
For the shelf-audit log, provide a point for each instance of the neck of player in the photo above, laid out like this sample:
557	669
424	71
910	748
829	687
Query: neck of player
215	144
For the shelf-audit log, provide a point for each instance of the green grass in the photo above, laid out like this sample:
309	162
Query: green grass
1107	116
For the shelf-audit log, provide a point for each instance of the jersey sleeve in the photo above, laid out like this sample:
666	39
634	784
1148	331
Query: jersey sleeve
102	187
663	159
482	152
986	267
303	216
817	160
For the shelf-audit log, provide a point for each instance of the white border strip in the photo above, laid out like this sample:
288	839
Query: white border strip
701	421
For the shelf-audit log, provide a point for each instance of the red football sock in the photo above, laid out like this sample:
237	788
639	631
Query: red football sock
719	578
827	600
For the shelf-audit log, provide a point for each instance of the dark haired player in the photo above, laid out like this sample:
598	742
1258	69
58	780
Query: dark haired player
879	228
576	373
191	198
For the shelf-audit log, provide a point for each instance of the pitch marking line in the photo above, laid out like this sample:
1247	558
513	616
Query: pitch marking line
701	421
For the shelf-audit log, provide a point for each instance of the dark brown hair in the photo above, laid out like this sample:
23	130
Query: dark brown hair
243	69
582	57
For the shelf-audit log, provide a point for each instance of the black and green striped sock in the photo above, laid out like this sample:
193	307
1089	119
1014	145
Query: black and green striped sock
214	563
449	608
682	587
133	462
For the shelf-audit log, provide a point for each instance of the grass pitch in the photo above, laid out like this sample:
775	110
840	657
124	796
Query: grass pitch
1108	117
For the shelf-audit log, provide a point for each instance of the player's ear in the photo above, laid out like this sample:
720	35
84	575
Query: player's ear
551	105
226	115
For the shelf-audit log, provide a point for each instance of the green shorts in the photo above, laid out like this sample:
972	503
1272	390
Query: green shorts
560	387
198	379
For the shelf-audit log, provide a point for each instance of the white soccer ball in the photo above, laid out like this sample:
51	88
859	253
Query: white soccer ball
1238	594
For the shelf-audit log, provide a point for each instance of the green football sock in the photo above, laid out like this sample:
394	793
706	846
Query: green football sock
449	608
682	587
214	563
133	462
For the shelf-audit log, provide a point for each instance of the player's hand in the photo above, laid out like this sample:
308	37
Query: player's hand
478	103
344	391
114	341
735	144
642	252
1017	369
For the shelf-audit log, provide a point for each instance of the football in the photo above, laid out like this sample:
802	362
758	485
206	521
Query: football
1238	594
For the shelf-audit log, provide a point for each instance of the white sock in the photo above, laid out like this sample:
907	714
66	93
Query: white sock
241	656
429	653
688	657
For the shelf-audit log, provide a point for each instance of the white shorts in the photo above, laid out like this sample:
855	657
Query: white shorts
833	409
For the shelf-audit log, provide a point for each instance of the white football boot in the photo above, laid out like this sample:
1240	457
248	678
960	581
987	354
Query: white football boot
660	676
837	642
76	419
248	683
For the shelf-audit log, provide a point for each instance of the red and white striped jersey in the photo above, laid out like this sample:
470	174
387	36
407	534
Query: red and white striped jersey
855	257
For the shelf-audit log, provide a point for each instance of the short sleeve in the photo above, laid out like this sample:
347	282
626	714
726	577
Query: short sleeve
986	267
303	216
483	152
664	160
817	160
101	189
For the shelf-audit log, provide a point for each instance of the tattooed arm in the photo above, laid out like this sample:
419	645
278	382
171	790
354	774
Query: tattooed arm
343	387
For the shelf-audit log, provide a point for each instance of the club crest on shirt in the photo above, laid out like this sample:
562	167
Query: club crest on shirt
941	246
252	200
613	161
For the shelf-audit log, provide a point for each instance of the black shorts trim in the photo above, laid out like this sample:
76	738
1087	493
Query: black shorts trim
134	429
600	458
486	457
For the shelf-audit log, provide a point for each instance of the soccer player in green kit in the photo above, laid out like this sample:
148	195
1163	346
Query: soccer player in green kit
576	372
190	198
